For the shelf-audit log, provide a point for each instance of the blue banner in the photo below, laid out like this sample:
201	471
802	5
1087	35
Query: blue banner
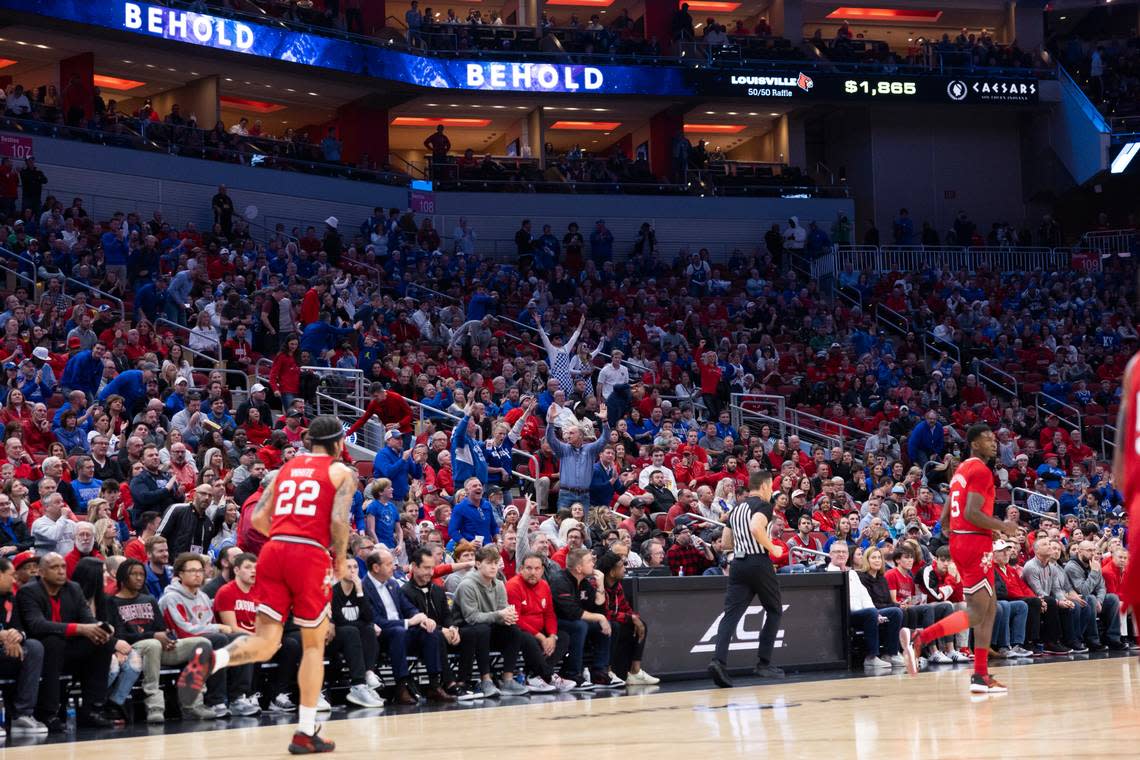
427	71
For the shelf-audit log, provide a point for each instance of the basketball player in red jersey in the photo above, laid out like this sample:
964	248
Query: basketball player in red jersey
1126	476
968	519
304	511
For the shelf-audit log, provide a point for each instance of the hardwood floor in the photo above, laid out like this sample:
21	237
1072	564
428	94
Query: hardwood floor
1051	708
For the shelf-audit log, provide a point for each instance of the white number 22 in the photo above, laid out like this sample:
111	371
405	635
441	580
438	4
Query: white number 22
297	498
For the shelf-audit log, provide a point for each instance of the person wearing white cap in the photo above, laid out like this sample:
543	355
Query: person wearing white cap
255	399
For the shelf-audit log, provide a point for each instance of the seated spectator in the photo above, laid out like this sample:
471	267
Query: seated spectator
869	617
14	534
1057	616
354	639
22	658
84	546
403	630
1084	572
628	639
54	532
189	613
484	615
688	555
55	613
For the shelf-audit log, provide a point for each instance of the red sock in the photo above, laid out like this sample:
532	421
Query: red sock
981	661
947	626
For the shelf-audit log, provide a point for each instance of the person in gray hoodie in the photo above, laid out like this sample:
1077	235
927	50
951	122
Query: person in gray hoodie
1083	569
189	612
482	612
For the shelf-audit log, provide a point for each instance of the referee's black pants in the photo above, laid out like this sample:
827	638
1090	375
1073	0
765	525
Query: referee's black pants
749	577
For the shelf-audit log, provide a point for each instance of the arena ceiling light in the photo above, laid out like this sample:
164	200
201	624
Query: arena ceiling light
889	15
583	3
1124	157
711	6
118	84
587	126
257	106
431	121
715	129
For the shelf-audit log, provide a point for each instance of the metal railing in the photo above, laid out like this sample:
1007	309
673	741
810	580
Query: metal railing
185	345
913	258
530	458
101	295
345	385
984	370
427	411
369	438
931	342
1034	497
434	293
897	322
1108	242
1054	405
1108	442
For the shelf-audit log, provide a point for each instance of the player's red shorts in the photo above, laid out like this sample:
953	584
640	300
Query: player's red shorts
294	578
973	555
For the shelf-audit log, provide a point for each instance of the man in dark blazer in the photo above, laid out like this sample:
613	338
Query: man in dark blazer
403	630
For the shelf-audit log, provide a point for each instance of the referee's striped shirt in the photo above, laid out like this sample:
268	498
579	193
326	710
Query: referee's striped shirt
744	544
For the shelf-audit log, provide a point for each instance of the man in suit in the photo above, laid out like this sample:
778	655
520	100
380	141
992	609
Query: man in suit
403	629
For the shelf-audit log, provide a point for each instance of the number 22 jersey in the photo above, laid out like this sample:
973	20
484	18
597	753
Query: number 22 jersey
303	499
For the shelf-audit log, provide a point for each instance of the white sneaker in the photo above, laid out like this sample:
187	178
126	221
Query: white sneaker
282	704
876	664
244	706
323	704
221	710
641	678
26	725
923	663
940	658
361	696
957	656
538	685
561	684
372	681
1020	651
896	661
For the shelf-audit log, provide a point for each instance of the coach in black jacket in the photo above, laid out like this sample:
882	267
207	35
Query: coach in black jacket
55	613
20	657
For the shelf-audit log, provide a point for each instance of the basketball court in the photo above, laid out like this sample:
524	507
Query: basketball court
1051	706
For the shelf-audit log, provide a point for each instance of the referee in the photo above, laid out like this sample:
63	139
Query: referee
750	575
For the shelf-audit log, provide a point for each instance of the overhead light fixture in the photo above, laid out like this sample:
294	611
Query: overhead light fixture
257	106
1124	157
890	15
118	84
432	121
715	129
716	6
587	126
583	3
41	46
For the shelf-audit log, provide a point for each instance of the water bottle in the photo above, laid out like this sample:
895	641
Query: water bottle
3	712
70	709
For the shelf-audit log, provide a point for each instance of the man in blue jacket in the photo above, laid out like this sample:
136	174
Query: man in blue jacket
927	441
320	336
84	370
468	459
399	466
131	385
473	519
403	629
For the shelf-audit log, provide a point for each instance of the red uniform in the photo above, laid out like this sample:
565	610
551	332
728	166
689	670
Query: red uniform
294	569
971	547
1130	452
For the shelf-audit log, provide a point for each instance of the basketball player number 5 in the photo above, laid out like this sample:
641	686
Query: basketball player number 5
955	510
297	498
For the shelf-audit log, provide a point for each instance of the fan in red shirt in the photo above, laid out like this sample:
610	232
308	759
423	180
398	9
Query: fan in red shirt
968	519
234	604
530	595
390	407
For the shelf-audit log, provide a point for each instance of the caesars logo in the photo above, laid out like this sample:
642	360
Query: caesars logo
957	90
743	638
